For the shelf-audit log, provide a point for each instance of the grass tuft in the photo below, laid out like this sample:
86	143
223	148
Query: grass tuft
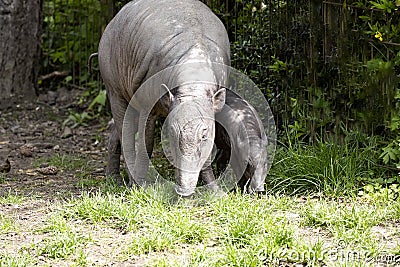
150	241
61	245
8	224
335	170
16	260
11	198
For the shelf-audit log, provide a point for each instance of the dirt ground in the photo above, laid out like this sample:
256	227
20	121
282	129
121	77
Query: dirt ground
30	135
32	132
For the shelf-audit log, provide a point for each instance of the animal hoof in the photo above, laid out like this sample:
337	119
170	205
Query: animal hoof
132	184
213	186
261	193
184	192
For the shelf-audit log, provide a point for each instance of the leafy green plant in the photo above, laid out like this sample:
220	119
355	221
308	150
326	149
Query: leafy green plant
99	101
95	109
385	5
71	35
376	192
77	119
278	65
71	32
391	153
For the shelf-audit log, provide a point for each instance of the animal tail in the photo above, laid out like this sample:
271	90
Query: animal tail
89	64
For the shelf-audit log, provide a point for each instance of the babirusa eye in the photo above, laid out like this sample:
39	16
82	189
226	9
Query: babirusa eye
204	134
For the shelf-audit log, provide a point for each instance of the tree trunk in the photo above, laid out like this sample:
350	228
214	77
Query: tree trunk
20	39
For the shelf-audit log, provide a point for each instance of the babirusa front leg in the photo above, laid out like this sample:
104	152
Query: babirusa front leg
145	142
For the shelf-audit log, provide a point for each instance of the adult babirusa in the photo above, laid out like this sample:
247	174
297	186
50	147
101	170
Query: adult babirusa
184	48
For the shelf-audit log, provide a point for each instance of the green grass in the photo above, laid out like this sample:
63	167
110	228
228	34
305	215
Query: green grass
75	163
246	231
334	170
66	162
8	224
317	208
62	240
61	245
16	260
237	230
88	182
151	241
12	198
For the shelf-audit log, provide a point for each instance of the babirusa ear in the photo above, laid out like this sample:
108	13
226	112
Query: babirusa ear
171	96
219	100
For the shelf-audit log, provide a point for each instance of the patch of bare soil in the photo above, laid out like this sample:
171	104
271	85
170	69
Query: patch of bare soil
32	132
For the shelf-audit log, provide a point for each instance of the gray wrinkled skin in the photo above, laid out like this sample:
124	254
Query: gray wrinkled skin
240	135
148	36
